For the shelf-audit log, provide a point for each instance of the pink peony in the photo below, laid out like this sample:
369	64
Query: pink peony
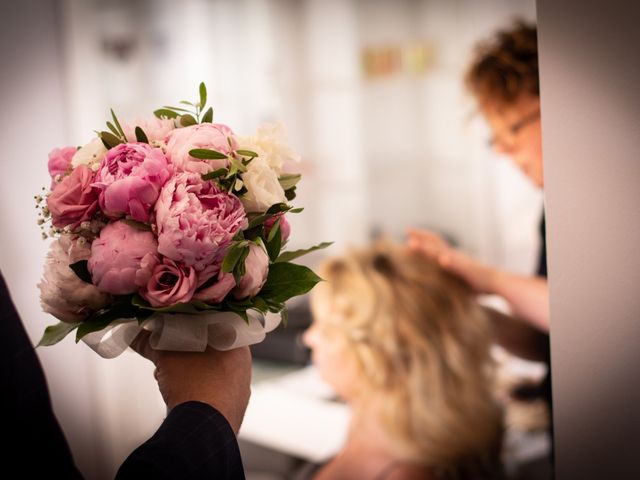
74	199
256	269
211	136
156	129
216	290
62	293
285	228
170	283
122	258
60	162
196	220
130	177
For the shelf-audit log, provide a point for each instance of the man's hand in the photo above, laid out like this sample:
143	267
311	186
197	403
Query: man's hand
220	379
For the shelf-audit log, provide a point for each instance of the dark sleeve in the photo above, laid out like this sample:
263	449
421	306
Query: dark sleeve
542	256
194	441
36	446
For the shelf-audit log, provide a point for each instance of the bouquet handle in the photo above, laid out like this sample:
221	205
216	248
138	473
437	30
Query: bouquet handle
185	333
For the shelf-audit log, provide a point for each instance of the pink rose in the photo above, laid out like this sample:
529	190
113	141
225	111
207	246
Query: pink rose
170	283
60	162
196	220
74	199
219	284
285	228
211	136
156	129
62	293
130	177
256	268
122	258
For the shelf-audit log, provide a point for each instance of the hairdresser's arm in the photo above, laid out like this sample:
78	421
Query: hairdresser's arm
528	296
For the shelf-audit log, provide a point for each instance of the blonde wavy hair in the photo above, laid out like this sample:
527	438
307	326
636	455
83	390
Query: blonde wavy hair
422	344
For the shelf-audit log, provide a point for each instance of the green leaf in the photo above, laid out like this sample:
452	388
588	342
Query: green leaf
286	280
220	172
259	220
187	120
290	194
239	270
296	210
145	227
288	256
284	316
184	102
278	207
206	154
54	333
177	109
247	153
192	307
141	136
203	95
275	228
259	304
115	120
239	167
289	181
244	316
122	308
274	244
113	129
165	112
233	256
208	116
81	270
109	139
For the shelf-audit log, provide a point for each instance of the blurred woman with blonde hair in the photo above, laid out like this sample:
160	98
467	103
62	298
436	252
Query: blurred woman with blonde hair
407	347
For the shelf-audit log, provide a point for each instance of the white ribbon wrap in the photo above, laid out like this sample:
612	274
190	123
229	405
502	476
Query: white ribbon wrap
185	333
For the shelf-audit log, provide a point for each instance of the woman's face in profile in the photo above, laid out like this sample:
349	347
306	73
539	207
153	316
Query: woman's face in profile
331	355
516	133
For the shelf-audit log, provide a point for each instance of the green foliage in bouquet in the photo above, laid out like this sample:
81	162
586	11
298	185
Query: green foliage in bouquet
284	280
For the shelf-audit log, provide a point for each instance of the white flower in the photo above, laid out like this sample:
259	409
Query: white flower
91	154
270	143
263	188
62	293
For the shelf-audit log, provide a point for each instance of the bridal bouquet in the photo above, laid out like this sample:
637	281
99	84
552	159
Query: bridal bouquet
173	224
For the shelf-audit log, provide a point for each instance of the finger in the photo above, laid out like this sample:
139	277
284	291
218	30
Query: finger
444	260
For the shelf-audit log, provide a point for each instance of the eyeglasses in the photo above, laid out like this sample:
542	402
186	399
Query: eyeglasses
513	130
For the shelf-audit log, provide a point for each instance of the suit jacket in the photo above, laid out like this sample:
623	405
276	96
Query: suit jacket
36	445
194	441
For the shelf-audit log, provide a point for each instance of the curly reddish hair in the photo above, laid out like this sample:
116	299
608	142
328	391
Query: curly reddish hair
505	66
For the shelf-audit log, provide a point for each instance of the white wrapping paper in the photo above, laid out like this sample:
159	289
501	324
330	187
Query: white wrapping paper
185	333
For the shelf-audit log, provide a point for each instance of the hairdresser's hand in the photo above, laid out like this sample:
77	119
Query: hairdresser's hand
481	278
220	379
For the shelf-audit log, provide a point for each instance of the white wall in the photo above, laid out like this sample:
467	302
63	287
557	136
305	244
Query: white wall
290	60
590	72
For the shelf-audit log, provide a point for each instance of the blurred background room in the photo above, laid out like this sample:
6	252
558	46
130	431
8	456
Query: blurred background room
371	94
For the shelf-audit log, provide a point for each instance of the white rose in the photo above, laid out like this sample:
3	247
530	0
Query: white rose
270	143
62	293
263	188
91	154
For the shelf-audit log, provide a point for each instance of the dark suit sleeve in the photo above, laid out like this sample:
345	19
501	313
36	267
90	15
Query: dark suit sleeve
36	446
194	441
